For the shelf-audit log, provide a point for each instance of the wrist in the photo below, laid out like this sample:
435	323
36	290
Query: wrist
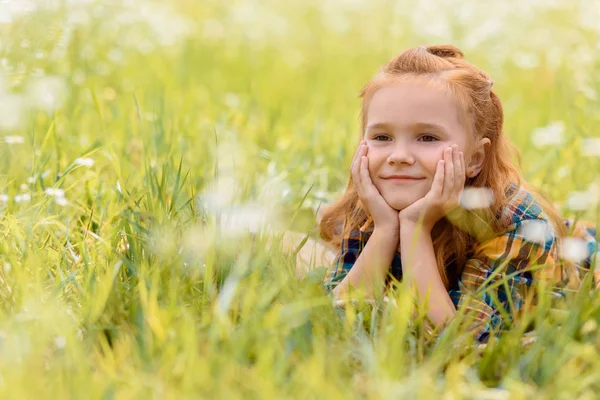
390	229
407	226
389	234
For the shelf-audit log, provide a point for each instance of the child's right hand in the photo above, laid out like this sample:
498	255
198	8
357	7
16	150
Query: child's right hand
384	216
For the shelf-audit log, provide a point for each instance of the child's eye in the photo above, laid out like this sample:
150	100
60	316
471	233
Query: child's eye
382	138
428	138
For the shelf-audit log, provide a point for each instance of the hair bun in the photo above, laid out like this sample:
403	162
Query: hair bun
445	51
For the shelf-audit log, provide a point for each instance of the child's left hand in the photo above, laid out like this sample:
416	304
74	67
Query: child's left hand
444	195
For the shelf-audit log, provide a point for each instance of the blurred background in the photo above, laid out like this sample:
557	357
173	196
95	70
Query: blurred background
145	146
272	86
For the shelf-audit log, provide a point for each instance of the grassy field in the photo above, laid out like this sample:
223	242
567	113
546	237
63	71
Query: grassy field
152	152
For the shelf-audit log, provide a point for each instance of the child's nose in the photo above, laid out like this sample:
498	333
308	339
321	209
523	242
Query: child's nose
401	154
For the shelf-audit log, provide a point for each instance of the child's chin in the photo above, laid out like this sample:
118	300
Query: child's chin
400	204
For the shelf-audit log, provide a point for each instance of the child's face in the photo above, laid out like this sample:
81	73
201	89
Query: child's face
409	124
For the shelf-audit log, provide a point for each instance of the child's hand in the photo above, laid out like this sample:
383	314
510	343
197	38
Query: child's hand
384	216
444	195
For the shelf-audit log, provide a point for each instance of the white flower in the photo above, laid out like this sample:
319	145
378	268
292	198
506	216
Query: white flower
589	92
22	198
195	243
574	249
59	196
60	342
55	192
86	162
226	295
221	195
13	139
578	200
47	93
526	60
12	108
552	134
3	198
584	200
492	394
537	230
232	100
473	197
591	147
244	218
61	201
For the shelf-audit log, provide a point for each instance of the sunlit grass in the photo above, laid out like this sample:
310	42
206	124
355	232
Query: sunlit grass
152	155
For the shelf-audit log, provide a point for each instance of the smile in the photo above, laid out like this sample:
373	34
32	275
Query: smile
403	180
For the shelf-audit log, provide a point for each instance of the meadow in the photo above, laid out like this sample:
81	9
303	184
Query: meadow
153	153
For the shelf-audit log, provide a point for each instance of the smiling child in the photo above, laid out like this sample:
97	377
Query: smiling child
431	127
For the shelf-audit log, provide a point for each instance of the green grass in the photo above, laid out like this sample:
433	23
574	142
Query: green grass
212	127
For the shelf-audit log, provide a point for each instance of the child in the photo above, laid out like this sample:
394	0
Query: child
431	130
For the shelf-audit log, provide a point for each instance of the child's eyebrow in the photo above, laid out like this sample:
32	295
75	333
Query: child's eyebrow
383	125
415	126
428	125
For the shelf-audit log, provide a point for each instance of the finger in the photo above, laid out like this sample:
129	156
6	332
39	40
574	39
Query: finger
356	178
364	173
463	172
448	171
355	172
362	151
437	186
463	169
458	180
357	153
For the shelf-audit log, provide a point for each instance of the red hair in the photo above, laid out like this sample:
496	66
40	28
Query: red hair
454	235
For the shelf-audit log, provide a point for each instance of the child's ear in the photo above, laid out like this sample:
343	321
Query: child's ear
475	163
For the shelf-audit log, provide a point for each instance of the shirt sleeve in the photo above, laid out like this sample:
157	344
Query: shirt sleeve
495	281
351	247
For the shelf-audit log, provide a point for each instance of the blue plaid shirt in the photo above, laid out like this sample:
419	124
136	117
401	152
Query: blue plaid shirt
506	258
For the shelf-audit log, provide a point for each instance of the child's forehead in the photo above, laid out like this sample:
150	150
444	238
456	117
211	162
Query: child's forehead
408	100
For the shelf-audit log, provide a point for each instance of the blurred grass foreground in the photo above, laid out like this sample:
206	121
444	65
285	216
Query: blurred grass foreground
151	153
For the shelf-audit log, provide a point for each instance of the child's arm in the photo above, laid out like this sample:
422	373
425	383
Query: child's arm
372	265
375	259
419	267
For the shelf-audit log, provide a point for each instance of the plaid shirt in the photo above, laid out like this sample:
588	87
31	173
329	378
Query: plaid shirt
494	282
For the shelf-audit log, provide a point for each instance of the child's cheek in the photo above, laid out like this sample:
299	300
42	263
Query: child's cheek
440	155
374	163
